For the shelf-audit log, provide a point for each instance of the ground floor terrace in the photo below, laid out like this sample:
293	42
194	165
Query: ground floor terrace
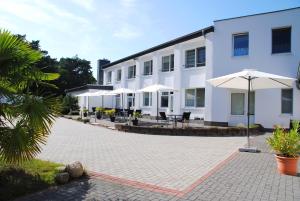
127	166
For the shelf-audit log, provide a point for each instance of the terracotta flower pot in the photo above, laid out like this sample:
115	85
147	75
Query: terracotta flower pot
286	165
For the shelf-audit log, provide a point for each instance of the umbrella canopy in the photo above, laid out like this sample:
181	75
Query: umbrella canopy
258	80
122	91
156	87
250	80
103	93
86	94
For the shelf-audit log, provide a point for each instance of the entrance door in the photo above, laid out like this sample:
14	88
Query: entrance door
130	101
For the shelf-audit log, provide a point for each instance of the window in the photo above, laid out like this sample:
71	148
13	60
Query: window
119	75
237	103
164	99
281	40
252	103
287	101
195	58
131	72
109	74
148	67
241	44
147	99
118	101
190	58
130	101
201	56
168	63
195	97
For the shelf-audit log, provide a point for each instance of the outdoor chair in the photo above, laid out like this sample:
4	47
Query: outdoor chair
164	118
185	118
130	113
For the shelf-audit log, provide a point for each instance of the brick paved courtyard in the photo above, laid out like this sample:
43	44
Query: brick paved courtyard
244	176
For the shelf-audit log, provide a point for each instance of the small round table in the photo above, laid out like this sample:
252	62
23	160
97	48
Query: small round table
175	118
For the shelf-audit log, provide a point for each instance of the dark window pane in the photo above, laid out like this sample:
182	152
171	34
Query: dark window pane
241	44
281	40
172	63
165	63
164	99
190	58
200	97
287	101
237	103
201	56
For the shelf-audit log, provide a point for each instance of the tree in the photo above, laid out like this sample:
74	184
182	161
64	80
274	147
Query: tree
69	104
26	115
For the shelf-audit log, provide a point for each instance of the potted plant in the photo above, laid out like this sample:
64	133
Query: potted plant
85	112
286	145
111	113
136	115
99	111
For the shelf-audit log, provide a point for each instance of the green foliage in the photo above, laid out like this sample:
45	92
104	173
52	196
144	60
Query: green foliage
69	104
110	113
100	109
28	177
286	143
26	115
136	115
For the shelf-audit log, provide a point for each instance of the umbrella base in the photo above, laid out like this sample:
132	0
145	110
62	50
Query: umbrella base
249	149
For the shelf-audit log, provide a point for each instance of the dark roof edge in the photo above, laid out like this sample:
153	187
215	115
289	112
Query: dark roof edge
164	45
270	12
89	86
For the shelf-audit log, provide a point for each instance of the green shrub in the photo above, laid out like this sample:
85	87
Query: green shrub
136	115
69	103
286	143
110	113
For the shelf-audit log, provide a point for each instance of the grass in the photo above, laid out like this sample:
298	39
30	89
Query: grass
28	177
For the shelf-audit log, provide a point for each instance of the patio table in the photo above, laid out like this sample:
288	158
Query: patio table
175	118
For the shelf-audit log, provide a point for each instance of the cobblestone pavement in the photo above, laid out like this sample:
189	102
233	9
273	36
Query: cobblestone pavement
244	176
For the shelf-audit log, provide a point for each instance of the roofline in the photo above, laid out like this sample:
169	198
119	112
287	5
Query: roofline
257	14
181	39
89	86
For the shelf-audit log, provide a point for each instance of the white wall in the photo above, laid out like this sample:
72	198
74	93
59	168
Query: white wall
259	27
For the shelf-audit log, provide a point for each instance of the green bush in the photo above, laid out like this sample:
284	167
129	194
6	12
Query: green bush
136	115
286	143
110	113
69	103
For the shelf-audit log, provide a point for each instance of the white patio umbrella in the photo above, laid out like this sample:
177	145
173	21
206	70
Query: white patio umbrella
87	95
157	88
250	80
102	94
122	91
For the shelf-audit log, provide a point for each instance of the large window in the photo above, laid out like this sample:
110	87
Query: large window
168	63
109	74
147	99
195	97
241	44
281	40
287	101
148	67
237	103
164	99
195	57
201	56
119	75
131	72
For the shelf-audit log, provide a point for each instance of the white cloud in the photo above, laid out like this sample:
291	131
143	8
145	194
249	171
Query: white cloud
86	4
128	3
127	31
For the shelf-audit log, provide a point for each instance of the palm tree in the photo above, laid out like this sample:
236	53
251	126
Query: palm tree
26	116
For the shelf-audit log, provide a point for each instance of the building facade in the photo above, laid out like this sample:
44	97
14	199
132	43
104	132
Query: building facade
268	42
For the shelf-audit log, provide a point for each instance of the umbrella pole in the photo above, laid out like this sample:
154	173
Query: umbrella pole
123	106
248	113
157	106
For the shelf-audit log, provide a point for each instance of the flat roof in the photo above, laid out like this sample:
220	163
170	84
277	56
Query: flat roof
89	86
181	39
276	11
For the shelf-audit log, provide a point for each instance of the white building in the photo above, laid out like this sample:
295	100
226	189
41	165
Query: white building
268	42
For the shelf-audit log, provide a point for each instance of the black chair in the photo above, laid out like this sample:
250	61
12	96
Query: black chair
138	111
185	118
130	113
163	117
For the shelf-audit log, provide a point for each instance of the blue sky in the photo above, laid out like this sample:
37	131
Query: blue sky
113	29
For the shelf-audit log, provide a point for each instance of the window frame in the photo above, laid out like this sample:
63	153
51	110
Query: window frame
150	99
202	63
164	95
134	72
233	44
117	77
195	97
170	63
150	68
292	102
244	98
109	75
196	64
278	28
